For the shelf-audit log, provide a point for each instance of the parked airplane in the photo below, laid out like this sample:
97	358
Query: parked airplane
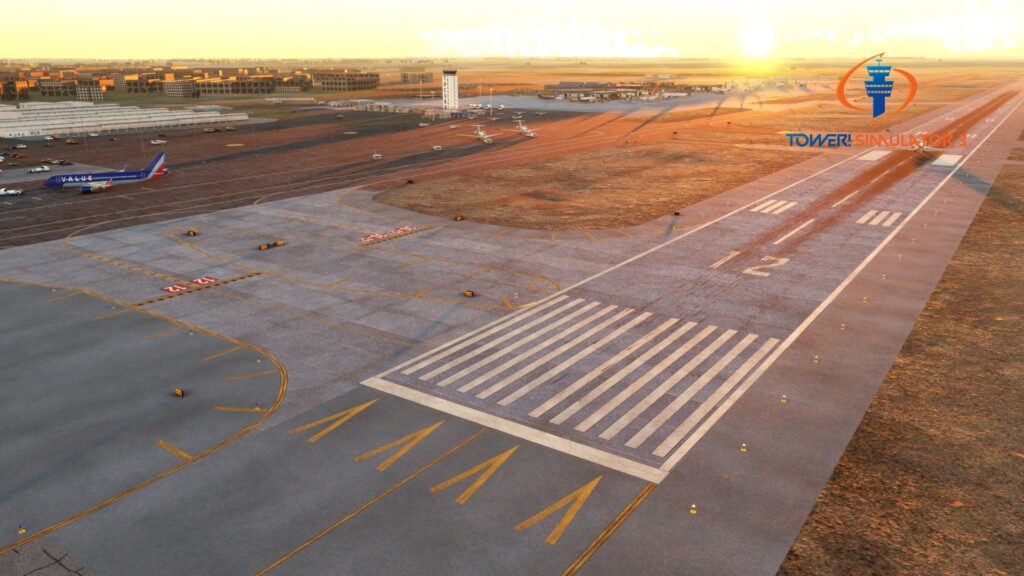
479	133
102	180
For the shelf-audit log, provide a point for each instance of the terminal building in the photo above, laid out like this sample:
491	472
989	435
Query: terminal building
345	80
38	119
450	90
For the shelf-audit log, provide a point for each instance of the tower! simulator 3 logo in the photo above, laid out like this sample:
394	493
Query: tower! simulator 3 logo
879	88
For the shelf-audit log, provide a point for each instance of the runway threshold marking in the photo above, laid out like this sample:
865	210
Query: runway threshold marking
174	450
369	503
407	443
561	443
339	419
250	375
574	500
485	469
605	534
222	353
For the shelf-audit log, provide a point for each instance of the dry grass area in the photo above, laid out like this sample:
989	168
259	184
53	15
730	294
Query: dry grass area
609	188
933	480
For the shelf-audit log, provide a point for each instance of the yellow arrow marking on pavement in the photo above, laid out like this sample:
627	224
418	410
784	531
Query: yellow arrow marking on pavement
577	498
339	418
174	450
409	442
488	468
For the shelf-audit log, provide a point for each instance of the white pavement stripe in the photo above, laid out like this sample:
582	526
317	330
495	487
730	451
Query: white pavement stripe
681	452
794	231
677	435
767	209
764	205
679	401
878	219
624	394
845	198
492	343
868	216
546	344
892	219
508	349
447	349
622	373
783	208
572	360
665	386
771	207
577	385
550	356
530	434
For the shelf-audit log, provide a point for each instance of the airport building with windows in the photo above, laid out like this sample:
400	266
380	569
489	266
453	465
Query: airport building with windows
345	80
72	118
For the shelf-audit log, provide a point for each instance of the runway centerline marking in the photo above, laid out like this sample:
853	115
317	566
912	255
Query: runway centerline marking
794	231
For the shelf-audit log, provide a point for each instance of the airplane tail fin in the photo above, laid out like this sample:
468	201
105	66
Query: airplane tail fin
156	167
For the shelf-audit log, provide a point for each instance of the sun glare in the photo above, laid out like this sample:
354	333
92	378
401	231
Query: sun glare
757	39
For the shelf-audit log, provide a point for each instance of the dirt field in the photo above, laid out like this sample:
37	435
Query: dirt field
932	481
607	188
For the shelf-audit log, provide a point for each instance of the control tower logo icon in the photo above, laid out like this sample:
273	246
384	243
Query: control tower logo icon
878	87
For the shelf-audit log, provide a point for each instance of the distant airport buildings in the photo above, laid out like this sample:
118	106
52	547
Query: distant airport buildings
90	90
450	90
38	119
345	80
414	74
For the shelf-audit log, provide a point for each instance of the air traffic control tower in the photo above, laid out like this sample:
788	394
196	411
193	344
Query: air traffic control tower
878	88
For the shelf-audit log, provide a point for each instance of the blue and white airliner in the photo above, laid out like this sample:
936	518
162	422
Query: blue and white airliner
97	181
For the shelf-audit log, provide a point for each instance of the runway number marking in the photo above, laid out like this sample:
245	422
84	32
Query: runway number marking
759	270
339	419
730	256
406	442
486	469
575	498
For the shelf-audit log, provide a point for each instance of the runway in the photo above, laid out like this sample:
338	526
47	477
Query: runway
665	400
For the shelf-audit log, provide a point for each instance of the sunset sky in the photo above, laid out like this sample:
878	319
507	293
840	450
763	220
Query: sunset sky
725	29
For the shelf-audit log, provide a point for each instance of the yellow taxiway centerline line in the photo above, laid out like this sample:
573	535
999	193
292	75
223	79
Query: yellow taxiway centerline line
59	298
609	530
112	314
156	335
252	375
216	355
